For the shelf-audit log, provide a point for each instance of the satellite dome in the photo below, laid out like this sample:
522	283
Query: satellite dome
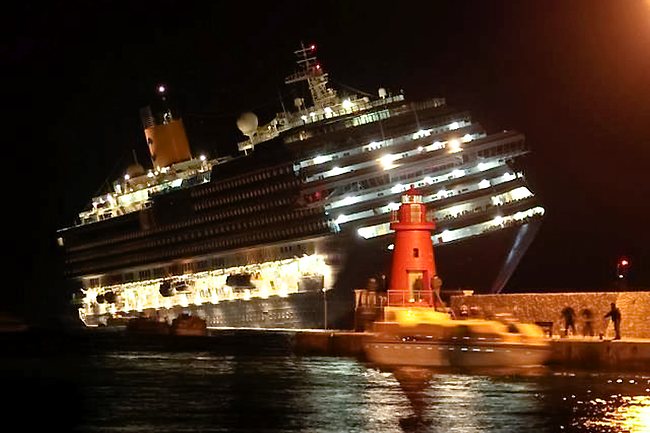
247	124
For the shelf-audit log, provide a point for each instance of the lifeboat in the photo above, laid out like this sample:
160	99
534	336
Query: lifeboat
240	282
166	288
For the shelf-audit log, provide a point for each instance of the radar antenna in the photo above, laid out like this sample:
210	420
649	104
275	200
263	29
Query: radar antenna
311	71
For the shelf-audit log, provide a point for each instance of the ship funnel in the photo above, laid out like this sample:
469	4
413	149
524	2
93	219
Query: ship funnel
165	134
382	93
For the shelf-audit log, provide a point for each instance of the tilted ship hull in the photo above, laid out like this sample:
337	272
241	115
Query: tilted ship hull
281	236
482	264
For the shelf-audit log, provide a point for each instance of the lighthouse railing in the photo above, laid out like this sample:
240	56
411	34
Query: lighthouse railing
415	298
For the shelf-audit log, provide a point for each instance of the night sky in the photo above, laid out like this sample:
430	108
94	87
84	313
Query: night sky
573	76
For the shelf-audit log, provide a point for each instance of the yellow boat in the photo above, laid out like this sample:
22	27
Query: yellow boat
422	336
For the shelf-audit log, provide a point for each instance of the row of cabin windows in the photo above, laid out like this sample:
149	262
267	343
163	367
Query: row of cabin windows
369	118
234	212
420	173
366	184
331	127
252	318
231	242
435	102
501	149
248	239
266	235
244	225
245	180
247	195
243	210
178	269
233	227
291	248
236	226
160	272
207	264
203	219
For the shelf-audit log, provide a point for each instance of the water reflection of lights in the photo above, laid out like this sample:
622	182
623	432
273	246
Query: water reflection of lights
448	400
621	414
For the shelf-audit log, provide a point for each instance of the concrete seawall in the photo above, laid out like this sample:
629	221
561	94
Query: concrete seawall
630	354
579	353
331	343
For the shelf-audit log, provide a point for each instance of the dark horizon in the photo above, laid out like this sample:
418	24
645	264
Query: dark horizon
572	77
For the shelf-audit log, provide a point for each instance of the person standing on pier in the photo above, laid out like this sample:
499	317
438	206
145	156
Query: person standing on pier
588	328
615	314
569	315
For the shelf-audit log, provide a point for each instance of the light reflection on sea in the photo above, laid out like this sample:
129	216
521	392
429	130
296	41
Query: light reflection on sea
275	391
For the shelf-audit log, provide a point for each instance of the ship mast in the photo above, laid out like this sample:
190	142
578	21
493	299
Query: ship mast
311	71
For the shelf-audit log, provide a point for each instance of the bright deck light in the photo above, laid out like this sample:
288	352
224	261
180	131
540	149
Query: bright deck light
454	145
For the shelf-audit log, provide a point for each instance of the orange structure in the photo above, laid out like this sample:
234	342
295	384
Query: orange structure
413	273
165	135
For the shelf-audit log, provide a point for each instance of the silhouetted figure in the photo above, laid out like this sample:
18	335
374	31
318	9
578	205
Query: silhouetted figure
569	315
615	314
436	285
588	317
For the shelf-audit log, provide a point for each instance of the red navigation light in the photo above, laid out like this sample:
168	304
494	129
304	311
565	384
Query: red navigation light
622	267
313	47
317	66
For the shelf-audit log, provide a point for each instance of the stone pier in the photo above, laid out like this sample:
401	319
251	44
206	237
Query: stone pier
545	308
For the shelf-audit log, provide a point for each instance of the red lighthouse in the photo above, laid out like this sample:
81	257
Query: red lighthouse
413	273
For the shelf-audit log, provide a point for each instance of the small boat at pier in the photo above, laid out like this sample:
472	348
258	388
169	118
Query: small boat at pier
422	336
182	325
187	325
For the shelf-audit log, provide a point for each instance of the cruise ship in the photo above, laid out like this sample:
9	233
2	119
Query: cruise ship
282	234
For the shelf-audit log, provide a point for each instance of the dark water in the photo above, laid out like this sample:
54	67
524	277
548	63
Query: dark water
252	383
